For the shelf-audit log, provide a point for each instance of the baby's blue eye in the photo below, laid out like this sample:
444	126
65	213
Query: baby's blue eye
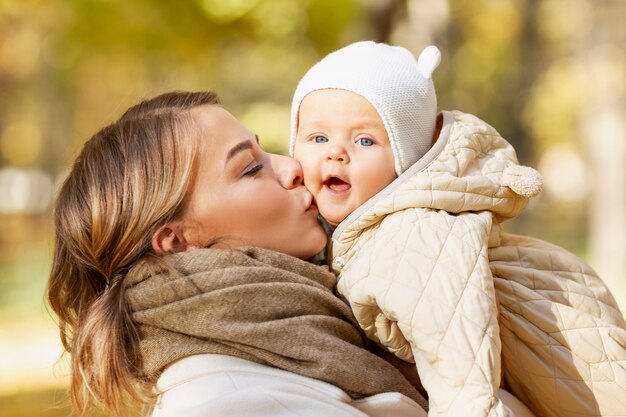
320	139
366	142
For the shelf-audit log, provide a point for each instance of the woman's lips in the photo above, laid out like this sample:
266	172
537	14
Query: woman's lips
310	203
337	186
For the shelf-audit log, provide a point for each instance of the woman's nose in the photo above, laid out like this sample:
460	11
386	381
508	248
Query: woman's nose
287	170
337	154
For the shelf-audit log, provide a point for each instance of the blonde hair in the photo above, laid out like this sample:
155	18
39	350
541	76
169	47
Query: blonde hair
130	178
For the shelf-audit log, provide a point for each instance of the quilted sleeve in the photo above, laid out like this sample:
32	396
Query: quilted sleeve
421	286
563	335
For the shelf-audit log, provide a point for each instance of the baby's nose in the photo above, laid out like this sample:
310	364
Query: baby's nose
337	154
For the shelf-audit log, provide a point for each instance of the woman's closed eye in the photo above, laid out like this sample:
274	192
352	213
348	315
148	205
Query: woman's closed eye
253	170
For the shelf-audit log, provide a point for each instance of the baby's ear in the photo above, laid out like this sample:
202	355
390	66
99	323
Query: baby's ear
428	60
524	181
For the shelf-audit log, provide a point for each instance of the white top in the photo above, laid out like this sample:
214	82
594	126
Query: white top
218	385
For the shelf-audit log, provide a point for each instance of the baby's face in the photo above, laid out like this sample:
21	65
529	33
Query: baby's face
344	151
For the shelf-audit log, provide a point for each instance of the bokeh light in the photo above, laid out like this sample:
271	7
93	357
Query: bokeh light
565	174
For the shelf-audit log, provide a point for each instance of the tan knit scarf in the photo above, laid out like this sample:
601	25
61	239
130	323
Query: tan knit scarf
257	305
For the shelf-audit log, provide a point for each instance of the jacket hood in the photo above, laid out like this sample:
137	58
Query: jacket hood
470	168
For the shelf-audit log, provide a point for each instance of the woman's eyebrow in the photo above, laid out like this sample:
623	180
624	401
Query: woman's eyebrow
240	147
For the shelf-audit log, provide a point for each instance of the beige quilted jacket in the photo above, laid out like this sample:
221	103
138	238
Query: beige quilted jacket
426	268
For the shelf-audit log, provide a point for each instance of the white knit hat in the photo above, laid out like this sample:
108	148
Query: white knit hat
389	77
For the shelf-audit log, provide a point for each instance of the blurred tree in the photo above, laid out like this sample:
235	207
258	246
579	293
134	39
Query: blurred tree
384	16
492	52
600	50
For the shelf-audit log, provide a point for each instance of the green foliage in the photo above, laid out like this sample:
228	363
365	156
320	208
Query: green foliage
39	403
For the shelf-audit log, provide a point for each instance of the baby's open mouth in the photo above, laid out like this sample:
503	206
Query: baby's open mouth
336	184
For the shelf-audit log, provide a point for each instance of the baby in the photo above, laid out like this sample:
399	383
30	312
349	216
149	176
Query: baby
416	199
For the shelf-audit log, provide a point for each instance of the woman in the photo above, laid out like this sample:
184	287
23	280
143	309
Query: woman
145	309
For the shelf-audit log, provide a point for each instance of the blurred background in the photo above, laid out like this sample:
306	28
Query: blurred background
549	75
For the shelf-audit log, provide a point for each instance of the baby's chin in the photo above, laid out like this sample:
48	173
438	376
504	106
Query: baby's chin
332	217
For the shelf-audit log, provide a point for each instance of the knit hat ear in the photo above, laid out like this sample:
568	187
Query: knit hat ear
428	61
397	85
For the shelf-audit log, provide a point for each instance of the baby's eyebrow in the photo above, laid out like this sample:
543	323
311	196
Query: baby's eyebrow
367	122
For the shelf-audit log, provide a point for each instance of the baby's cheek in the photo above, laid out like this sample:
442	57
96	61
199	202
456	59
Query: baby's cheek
311	176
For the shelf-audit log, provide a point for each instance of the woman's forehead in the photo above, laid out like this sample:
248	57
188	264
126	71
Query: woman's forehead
222	138
220	130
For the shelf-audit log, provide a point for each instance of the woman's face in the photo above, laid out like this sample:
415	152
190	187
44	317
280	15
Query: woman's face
245	196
